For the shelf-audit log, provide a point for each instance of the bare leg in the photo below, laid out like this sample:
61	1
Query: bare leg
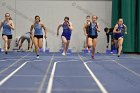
9	42
120	42
116	43
19	44
65	45
94	45
90	42
40	43
36	45
5	38
28	45
87	44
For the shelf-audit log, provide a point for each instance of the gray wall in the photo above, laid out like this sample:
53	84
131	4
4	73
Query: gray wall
52	14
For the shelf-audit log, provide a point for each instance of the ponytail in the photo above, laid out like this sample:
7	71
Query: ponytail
10	18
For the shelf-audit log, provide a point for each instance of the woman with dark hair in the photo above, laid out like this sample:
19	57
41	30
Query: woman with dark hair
8	26
86	32
38	34
66	35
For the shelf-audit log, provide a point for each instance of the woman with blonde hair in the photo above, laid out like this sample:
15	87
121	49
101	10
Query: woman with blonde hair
94	28
8	26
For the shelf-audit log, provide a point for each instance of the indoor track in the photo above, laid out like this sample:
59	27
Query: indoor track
21	72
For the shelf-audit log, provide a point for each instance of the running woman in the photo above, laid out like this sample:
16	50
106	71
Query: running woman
93	34
118	34
66	35
38	34
86	31
8	26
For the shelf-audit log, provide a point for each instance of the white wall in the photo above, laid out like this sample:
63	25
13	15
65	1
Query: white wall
53	12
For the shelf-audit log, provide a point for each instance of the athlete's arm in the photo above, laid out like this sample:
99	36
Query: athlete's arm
11	25
19	41
84	28
70	26
115	29
31	39
45	30
98	27
31	33
1	25
125	28
58	29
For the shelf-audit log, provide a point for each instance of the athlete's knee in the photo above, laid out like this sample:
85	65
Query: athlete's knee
120	45
40	47
6	40
89	45
64	42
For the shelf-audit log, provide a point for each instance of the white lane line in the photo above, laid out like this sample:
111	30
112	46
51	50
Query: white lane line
49	88
2	60
67	61
96	79
101	87
20	89
50	84
10	75
45	76
76	90
88	61
128	69
27	76
65	57
8	59
37	60
5	69
72	76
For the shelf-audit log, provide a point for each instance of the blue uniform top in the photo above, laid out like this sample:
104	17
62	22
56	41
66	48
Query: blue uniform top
6	28
120	28
66	30
38	29
93	30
